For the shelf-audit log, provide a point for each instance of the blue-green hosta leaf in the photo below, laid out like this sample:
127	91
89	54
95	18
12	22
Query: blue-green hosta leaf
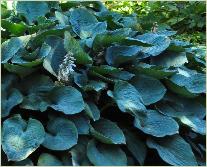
87	85
92	111
21	138
46	159
63	19
136	146
61	134
176	106
173	150
42	94
153	71
10	96
188	86
123	75
56	54
26	59
81	18
91	31
150	89
10	47
72	45
160	43
188	111
67	100
36	84
81	123
95	85
127	97
32	10
166	33
170	59
107	38
105	155
79	153
25	162
196	124
156	124
116	55
107	132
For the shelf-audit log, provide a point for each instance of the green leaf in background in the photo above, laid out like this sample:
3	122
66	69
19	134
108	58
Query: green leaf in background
10	47
46	159
107	155
136	146
173	150
127	97
61	134
17	29
32	10
150	89
107	38
19	70
92	110
105	69
107	131
21	138
153	71
72	45
156	124
117	55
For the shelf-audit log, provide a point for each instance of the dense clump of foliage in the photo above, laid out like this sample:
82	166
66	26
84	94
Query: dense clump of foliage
188	18
82	85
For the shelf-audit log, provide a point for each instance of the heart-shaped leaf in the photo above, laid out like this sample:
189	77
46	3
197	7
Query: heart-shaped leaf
21	138
62	134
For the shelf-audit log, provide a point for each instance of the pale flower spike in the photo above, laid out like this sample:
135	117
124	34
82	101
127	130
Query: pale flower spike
66	68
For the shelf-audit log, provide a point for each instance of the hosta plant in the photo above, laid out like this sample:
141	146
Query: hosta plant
82	86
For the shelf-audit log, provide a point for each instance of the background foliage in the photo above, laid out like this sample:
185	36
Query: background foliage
186	17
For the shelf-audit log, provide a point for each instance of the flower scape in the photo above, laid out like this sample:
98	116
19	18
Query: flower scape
82	85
